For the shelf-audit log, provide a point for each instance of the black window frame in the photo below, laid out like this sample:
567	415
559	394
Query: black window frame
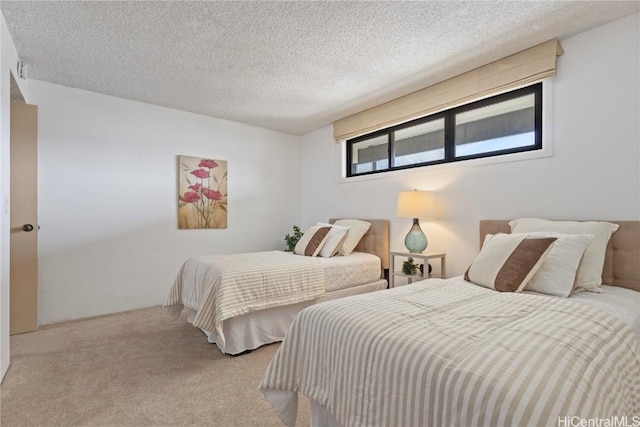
449	132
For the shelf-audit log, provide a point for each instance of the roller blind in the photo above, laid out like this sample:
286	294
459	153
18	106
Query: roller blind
508	73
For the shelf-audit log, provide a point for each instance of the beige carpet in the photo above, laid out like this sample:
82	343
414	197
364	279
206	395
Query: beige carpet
140	368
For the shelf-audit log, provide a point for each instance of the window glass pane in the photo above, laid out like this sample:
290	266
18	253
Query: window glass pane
495	127
370	155
371	166
419	144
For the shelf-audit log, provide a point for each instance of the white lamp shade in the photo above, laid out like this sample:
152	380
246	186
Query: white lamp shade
415	204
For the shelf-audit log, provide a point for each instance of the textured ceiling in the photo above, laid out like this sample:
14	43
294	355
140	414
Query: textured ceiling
288	66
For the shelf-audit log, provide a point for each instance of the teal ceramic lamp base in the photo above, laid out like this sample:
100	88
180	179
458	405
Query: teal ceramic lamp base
416	241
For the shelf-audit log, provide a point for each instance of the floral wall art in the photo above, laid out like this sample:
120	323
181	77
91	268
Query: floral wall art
202	193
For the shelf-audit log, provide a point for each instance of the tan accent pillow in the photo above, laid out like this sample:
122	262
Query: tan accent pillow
312	240
357	230
507	262
589	274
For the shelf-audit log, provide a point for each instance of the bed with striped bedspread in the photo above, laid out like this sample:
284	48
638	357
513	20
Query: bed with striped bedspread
447	352
220	287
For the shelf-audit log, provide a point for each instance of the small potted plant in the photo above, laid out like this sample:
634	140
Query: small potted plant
409	267
292	239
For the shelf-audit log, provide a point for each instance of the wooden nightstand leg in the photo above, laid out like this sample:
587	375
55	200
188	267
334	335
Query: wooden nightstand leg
443	267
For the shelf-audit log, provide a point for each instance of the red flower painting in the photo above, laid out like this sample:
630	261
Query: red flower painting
207	163
212	194
190	197
200	173
202	196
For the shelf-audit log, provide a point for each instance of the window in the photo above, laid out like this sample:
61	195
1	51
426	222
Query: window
371	154
503	124
420	143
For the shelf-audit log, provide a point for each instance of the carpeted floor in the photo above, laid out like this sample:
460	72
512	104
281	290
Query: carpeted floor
140	368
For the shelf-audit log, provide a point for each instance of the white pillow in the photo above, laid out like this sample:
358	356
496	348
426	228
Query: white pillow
357	230
557	274
589	275
507	262
311	241
337	235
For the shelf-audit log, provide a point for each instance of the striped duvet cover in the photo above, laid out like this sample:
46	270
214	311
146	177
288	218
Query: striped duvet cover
220	287
449	353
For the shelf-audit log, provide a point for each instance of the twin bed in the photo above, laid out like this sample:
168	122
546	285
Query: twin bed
244	301
450	352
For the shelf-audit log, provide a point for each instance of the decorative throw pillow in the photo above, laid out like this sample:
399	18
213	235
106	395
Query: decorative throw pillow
357	230
334	242
507	262
311	241
557	274
589	274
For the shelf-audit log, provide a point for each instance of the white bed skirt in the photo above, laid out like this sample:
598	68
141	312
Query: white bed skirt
321	417
252	330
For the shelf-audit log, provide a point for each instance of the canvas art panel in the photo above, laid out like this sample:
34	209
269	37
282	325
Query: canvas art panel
202	193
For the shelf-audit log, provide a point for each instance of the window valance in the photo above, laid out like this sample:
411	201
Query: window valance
508	73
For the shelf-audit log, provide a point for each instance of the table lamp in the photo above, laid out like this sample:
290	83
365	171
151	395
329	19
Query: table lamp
415	204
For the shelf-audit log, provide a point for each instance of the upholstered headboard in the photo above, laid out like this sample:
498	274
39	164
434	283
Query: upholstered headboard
622	260
375	241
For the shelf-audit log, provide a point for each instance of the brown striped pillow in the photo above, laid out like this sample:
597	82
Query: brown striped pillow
507	262
312	240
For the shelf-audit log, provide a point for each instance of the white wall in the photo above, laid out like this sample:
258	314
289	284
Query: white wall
594	172
6	52
8	61
107	197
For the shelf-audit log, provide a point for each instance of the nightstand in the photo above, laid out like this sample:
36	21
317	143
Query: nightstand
425	257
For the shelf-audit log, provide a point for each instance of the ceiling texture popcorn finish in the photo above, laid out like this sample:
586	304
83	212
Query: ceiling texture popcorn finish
287	66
